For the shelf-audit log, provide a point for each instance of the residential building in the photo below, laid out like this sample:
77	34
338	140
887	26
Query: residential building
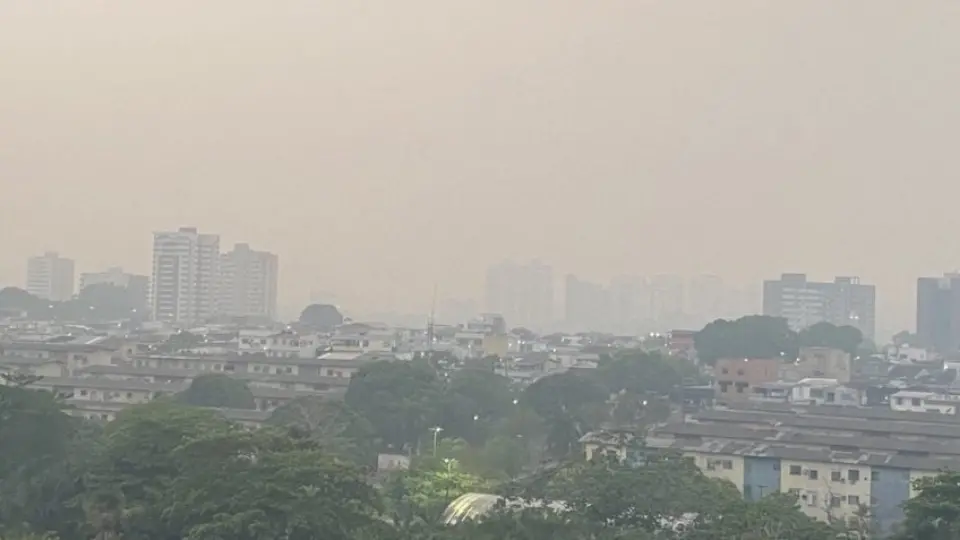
803	303
273	344
819	362
522	293
137	286
50	276
928	402
185	275
938	313
737	377
248	283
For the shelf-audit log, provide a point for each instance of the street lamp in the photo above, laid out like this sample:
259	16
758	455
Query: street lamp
436	431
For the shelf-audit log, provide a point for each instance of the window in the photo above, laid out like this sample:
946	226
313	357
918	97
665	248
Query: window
899	401
813	474
727	464
835	501
836	476
875	477
795	470
739	372
853	475
795	492
129	395
853	500
915	402
724	371
83	392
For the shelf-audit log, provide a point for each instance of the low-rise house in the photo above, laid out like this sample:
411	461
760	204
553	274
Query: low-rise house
818	362
71	356
817	391
736	377
273	344
930	402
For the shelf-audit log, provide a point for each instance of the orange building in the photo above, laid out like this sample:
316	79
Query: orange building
736	377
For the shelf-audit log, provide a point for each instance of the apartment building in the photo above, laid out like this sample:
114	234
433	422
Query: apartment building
248	283
50	276
186	275
938	313
803	303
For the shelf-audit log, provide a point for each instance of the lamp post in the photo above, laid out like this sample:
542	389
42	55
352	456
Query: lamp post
436	432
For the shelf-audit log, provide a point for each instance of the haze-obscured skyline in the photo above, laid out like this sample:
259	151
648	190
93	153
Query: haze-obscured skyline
381	147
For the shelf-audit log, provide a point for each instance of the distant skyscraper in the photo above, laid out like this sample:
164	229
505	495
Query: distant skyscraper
938	313
50	277
137	286
523	294
845	302
185	275
587	305
248	282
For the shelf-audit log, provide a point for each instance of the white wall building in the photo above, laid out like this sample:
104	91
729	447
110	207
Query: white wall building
50	277
924	402
185	275
248	282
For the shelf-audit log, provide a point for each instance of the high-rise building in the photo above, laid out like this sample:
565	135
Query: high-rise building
938	313
50	277
248	282
844	302
587	306
186	272
137	286
522	293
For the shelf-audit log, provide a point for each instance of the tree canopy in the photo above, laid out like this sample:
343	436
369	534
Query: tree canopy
321	316
760	336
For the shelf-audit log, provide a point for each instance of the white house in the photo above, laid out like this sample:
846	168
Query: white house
933	402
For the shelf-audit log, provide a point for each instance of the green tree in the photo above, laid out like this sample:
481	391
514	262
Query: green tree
934	514
401	400
754	336
571	404
472	401
321	317
264	485
423	493
824	334
332	424
217	390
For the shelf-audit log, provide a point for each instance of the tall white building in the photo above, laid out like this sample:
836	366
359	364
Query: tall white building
186	272
50	277
248	282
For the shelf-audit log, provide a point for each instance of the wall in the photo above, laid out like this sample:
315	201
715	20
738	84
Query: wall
761	477
719	466
815	493
889	489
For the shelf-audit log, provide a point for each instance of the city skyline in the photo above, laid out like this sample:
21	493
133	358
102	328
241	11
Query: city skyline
380	159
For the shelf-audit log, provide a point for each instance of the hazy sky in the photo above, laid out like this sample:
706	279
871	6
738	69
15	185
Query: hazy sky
381	146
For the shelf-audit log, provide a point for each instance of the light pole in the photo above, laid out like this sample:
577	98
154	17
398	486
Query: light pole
436	431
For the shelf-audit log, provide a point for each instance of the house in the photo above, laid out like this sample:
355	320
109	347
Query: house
70	356
736	377
930	402
818	362
285	344
817	391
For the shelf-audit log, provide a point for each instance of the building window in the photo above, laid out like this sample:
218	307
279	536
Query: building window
739	372
795	470
836	476
853	475
724	371
83	393
915	402
853	500
875	476
813	474
129	395
835	501
899	401
727	464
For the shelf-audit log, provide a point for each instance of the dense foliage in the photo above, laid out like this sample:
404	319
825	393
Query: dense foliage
760	336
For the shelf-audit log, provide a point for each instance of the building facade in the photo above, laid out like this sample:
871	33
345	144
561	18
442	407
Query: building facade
50	277
737	377
248	282
185	275
803	303
938	313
